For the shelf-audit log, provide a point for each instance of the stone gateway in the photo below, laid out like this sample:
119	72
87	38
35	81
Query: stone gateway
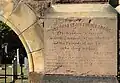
65	43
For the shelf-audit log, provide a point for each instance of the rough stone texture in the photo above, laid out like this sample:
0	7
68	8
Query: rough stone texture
79	46
78	79
22	20
38	6
35	41
35	77
16	2
18	16
38	61
80	10
25	22
62	60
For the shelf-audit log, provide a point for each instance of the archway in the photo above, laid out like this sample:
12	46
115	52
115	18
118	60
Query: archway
23	21
23	18
13	57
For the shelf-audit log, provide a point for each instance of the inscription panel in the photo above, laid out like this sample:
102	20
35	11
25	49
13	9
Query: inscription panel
80	47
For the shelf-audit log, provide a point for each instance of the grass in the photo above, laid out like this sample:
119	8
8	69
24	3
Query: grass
9	72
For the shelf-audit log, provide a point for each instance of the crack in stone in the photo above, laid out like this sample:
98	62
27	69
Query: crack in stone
85	73
28	27
54	69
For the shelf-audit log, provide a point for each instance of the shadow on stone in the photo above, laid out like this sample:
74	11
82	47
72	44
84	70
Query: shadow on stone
78	79
35	77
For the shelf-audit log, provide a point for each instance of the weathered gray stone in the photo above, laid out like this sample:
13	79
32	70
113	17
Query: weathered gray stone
35	77
78	79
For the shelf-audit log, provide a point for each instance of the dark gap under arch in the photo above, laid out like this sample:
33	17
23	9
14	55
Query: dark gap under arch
9	37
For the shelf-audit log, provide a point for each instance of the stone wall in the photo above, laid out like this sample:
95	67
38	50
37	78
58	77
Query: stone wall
77	79
80	44
23	18
27	20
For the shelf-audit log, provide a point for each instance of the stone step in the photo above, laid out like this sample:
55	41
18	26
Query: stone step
81	7
78	79
80	10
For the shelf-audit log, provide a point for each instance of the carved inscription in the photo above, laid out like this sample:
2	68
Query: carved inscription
78	48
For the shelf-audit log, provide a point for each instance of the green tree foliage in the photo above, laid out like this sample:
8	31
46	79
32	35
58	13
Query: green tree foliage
114	3
4	30
7	35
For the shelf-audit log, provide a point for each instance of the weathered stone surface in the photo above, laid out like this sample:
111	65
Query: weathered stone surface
38	58
64	61
35	77
80	10
21	16
78	79
79	46
31	36
39	7
34	41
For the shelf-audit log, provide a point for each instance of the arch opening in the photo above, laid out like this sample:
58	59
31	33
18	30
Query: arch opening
23	21
13	56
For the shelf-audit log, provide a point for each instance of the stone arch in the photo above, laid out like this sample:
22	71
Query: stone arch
22	40
25	23
23	17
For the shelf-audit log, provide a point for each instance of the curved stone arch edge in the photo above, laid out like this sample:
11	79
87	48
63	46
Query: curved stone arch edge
12	26
6	18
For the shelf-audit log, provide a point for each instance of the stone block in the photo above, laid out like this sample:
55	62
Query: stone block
34	37
81	45
78	79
